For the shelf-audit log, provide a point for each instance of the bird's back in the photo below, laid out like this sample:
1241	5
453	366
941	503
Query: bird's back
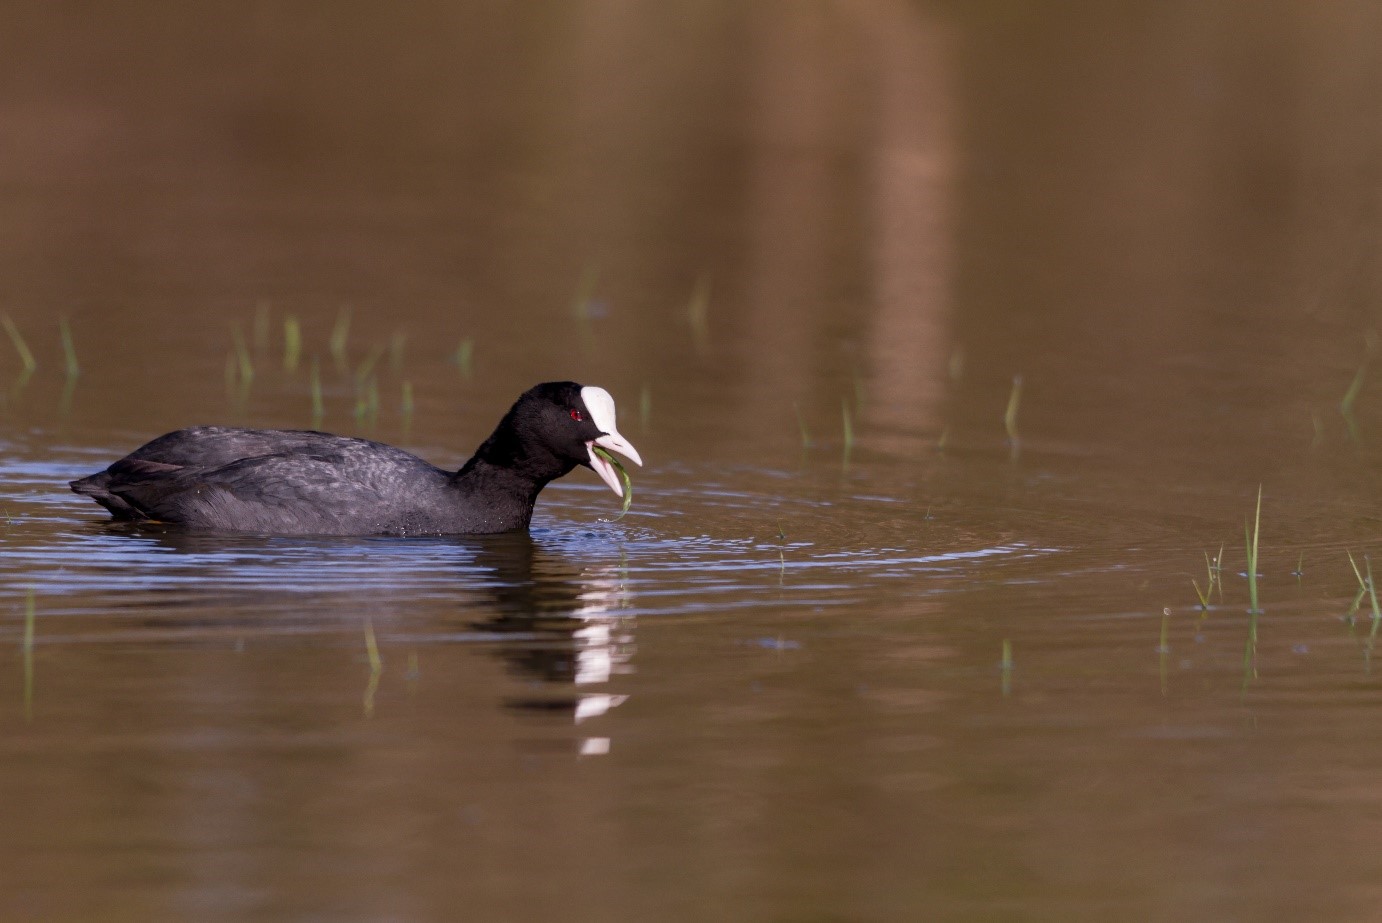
281	481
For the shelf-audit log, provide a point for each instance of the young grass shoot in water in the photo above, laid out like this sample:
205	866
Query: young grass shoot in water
70	364
1356	385
1214	574
26	356
243	360
464	355
1204	594
1362	591
623	476
801	427
69	352
340	336
1350	396
1010	415
1365	588
1250	540
1005	667
292	343
847	426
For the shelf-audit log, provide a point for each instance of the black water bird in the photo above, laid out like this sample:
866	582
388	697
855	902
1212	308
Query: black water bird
303	482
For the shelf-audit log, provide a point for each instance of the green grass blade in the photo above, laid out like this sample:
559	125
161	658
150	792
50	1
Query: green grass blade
1372	591
623	476
1350	396
340	335
69	352
21	347
292	343
464	356
376	662
366	369
1252	549
1005	667
1010	415
242	356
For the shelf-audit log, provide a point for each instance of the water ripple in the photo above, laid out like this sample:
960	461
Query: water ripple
57	545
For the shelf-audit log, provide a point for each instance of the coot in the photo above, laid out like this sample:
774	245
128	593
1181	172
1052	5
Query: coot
302	482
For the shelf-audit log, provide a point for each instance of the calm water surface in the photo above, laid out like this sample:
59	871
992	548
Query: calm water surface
861	649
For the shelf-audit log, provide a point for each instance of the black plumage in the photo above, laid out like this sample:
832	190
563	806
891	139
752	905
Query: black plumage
303	482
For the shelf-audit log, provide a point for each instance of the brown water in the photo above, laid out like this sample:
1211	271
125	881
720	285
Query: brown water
777	689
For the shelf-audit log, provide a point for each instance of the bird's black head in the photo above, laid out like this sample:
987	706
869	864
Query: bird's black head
555	426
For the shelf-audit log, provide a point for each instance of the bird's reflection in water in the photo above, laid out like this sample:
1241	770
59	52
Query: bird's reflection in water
556	621
563	628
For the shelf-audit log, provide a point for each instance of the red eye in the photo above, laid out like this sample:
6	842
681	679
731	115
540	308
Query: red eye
577	416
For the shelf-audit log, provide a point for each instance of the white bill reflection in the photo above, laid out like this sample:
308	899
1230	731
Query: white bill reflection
603	647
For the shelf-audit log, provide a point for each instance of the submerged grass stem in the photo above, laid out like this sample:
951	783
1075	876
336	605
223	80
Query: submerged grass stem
376	668
376	662
28	654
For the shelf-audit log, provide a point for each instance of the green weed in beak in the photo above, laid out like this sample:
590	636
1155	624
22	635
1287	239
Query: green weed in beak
623	476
